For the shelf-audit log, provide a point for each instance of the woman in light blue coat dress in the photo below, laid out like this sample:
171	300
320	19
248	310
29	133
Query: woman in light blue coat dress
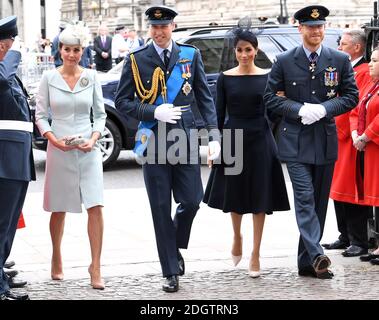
74	173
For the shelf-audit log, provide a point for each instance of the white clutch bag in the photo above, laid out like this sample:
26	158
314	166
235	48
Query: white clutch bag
74	140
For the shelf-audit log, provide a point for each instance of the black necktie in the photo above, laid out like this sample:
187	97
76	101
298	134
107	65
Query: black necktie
313	57
313	61
166	58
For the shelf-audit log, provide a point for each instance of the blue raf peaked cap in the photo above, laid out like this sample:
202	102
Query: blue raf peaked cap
160	15
312	15
8	28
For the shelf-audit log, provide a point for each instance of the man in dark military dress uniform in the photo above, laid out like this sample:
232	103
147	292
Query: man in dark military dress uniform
308	86
147	72
16	157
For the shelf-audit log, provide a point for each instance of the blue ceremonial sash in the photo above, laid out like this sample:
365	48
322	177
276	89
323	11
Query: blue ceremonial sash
174	83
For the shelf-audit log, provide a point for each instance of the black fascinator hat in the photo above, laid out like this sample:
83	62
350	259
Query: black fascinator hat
247	32
243	31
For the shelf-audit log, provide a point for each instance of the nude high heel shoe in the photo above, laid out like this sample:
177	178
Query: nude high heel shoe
97	284
254	273
236	259
59	276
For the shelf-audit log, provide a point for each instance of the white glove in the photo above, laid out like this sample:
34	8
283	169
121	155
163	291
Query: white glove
167	113
354	135
318	109
311	113
214	150
16	45
307	116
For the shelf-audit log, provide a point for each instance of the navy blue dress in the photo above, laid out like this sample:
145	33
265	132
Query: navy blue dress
260	187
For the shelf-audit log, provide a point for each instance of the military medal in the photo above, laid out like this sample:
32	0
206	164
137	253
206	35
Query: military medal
312	67
143	138
186	73
187	88
331	94
331	77
84	82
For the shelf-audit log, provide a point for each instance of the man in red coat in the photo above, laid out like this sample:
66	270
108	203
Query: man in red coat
351	215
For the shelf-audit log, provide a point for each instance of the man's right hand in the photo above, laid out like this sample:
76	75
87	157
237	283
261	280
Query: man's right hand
307	116
167	113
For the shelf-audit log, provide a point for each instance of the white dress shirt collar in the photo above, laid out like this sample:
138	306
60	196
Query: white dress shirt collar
160	50
354	62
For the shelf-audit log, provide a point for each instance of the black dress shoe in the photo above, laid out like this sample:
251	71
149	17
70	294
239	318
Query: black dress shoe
171	284
354	251
182	267
368	257
338	244
12	296
13	283
10	272
375	261
9	264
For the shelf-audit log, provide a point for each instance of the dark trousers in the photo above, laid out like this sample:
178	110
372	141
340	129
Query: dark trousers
118	60
311	187
104	66
12	196
184	183
352	223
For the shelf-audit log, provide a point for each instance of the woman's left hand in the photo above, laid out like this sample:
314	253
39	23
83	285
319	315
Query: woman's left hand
87	146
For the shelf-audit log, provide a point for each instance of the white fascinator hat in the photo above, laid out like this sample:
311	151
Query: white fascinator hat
75	34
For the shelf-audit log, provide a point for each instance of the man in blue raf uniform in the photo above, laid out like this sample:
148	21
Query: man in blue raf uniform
16	160
164	63
308	86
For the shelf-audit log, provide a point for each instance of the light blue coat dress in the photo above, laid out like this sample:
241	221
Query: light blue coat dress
72	178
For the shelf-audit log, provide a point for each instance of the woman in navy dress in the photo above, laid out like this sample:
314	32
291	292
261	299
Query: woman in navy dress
260	187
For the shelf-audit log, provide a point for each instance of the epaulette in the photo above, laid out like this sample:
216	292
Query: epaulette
139	49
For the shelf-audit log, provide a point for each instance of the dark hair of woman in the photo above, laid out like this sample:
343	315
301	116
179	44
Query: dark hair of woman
245	35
